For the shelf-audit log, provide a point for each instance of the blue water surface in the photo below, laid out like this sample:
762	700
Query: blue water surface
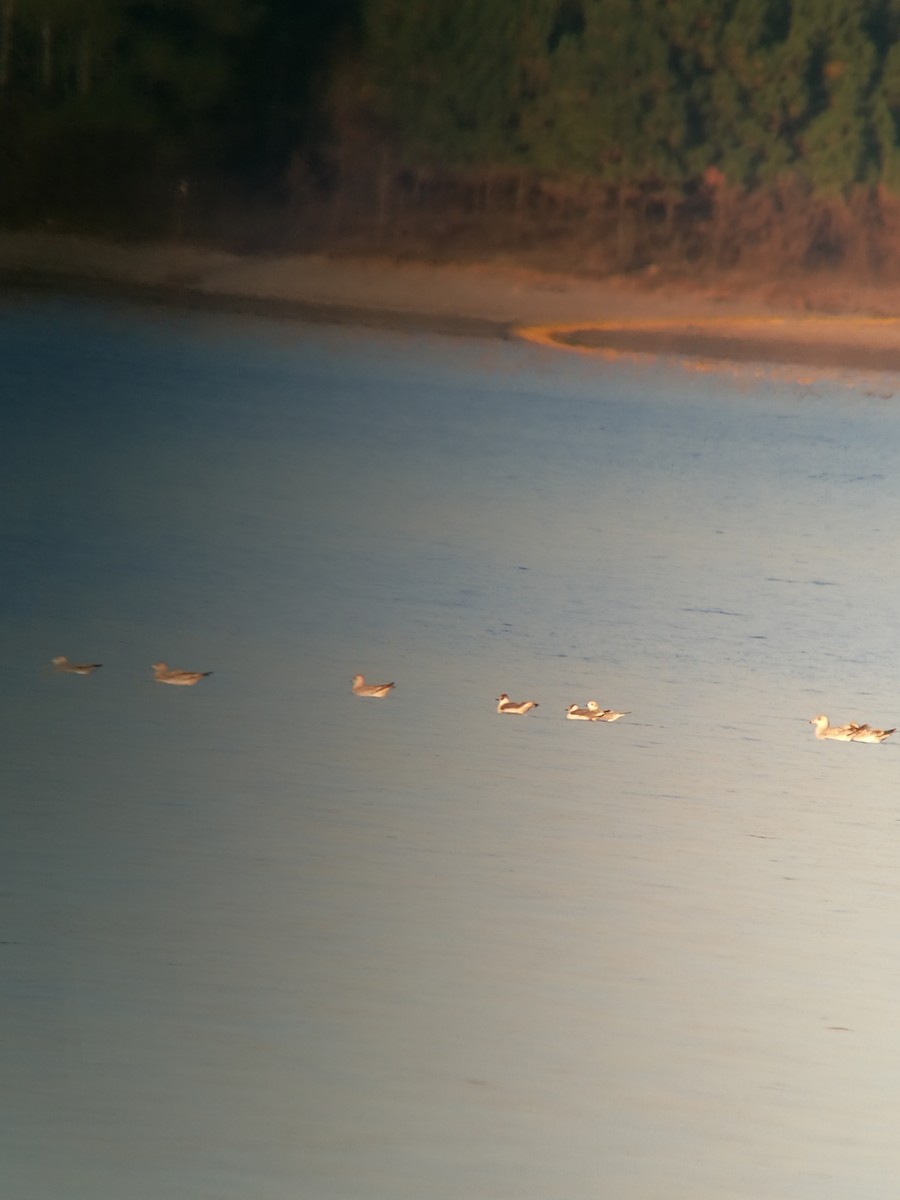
265	939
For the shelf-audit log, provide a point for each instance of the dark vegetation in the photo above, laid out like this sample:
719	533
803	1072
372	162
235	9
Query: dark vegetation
591	135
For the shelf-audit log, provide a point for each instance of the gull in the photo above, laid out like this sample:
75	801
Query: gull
609	714
61	663
177	678
864	733
851	732
837	733
505	705
592	712
574	713
376	690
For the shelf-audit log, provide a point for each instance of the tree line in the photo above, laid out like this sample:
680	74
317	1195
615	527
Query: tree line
638	128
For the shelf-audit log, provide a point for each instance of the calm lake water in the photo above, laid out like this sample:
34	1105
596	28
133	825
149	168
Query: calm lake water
265	940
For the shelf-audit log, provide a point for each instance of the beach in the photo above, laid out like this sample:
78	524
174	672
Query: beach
816	322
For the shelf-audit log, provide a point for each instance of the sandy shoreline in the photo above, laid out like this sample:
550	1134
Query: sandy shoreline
814	327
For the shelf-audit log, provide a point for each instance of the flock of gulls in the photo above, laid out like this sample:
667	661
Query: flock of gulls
591	711
515	708
162	673
852	732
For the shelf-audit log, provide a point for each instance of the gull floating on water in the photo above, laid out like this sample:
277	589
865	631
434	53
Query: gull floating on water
61	663
505	705
592	712
177	678
609	714
866	734
377	690
851	732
